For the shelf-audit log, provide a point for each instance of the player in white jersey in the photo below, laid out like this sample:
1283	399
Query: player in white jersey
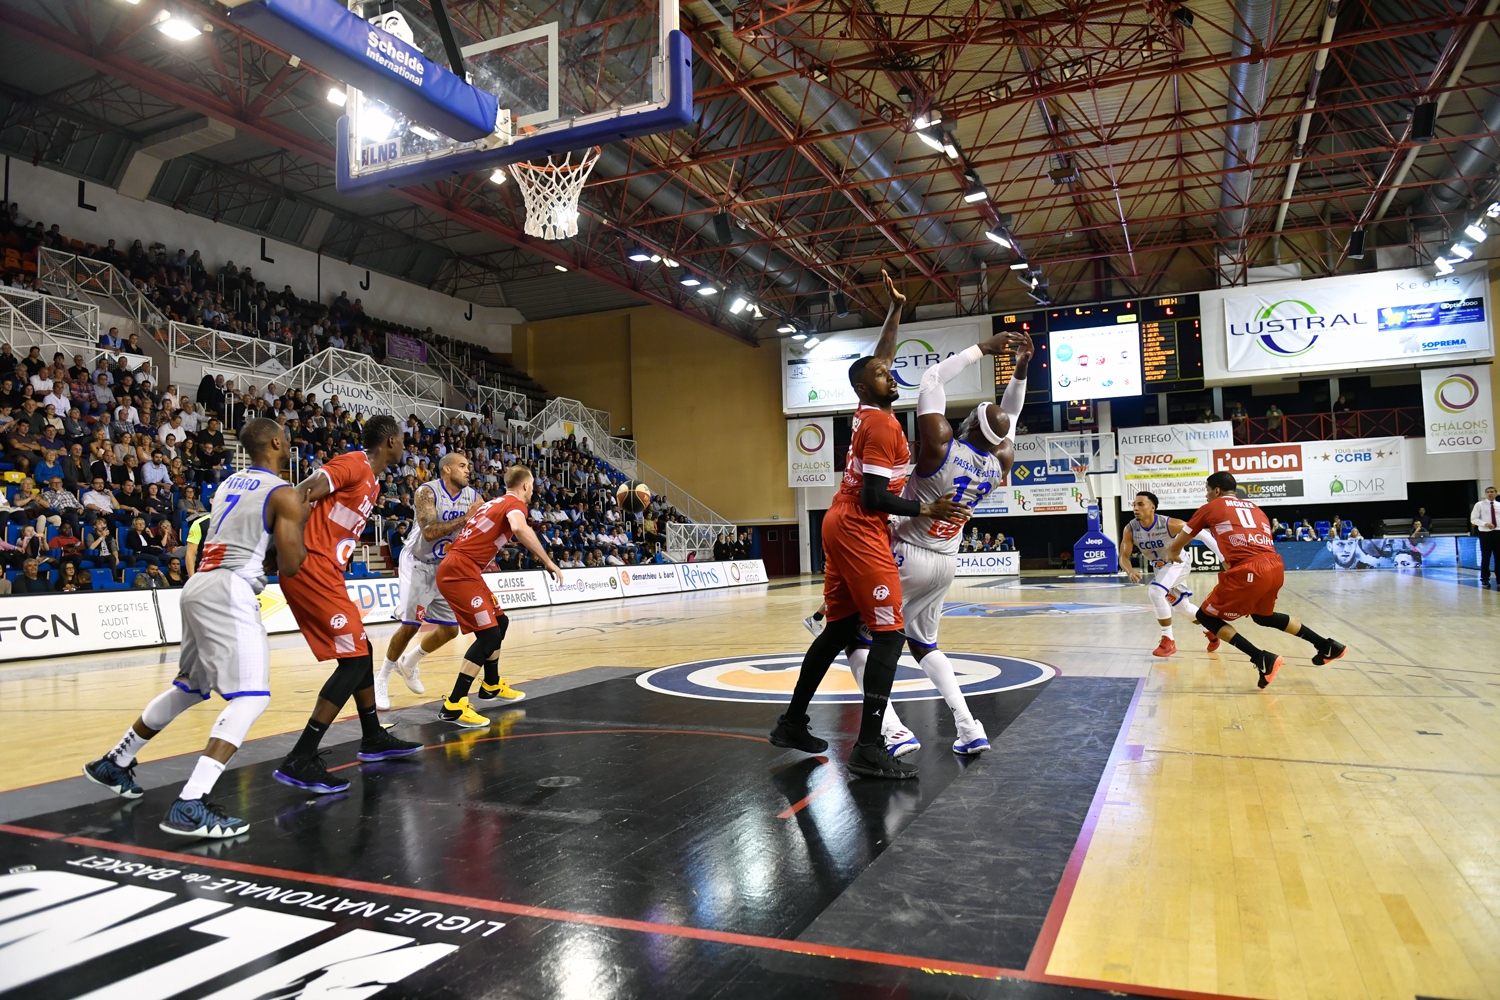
443	506
1150	533
224	645
965	467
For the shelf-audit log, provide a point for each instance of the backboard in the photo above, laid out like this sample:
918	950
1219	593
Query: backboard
1082	455
568	75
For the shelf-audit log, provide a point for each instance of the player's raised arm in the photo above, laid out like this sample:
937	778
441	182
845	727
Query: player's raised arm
288	516
885	347
527	537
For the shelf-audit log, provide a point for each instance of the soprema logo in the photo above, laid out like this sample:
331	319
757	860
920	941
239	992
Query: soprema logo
1456	393
810	439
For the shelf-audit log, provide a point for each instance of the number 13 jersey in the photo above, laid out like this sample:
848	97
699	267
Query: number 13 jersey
967	473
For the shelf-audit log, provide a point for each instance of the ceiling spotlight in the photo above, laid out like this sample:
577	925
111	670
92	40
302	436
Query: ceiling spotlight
559	267
927	118
670	262
1475	232
998	235
904	95
799	336
337	96
931	137
1443	265
708	290
177	27
738	304
497	176
949	146
1183	16
1063	175
786	328
1461	251
688	281
1493	212
1020	265
976	192
640	255
813	342
427	134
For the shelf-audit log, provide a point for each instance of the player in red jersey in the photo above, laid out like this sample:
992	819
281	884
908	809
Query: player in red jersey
342	493
460	581
860	579
1252	577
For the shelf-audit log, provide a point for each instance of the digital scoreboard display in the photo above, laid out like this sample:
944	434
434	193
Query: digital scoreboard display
1135	345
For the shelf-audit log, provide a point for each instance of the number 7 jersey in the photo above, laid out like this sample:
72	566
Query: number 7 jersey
967	473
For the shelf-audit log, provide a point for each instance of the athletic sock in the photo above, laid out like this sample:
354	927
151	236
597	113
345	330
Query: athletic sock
461	688
201	783
369	721
892	721
492	672
1308	635
1245	646
387	667
940	671
123	755
880	673
312	735
413	656
1166	631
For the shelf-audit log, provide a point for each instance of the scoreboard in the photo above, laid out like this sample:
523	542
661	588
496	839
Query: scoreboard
1166	353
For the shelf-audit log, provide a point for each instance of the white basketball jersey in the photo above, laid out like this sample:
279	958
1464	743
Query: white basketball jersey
1152	539
450	507
237	536
967	473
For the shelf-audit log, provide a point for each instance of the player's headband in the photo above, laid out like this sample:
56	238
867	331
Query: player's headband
982	419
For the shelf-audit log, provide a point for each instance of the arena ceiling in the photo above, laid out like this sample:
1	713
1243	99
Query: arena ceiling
1119	148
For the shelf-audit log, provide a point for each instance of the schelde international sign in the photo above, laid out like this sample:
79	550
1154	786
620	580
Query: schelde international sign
1390	318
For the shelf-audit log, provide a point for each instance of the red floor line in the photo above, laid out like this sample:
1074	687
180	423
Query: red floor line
573	732
829	779
26	831
1041	952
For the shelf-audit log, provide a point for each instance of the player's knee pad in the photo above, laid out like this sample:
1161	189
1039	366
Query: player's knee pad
486	644
233	724
354	673
880	668
1209	622
1161	601
167	706
1276	620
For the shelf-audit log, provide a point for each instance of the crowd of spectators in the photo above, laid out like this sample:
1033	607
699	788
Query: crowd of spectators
973	541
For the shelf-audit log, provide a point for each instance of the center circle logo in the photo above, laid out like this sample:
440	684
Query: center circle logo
1456	393
770	677
810	439
1287	343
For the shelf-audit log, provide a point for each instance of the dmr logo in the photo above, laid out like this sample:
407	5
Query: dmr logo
1269	458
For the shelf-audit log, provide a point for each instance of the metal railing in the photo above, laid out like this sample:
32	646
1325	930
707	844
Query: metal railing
687	505
32	319
697	539
418	385
77	275
265	358
1400	421
499	400
590	424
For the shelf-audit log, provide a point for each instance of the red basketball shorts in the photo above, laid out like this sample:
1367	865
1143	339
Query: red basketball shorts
1249	588
473	603
330	622
859	572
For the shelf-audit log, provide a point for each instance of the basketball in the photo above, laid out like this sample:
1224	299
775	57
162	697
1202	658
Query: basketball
633	496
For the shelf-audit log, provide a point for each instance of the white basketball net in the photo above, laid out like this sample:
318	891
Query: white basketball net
551	191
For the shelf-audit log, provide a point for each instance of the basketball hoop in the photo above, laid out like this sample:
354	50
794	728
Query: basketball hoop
551	192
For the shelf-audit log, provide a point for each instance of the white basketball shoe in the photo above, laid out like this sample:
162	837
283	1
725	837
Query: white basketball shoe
971	739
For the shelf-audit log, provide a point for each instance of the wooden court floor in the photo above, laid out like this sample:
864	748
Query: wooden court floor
1334	836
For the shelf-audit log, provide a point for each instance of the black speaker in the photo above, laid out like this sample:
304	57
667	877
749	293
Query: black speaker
1357	245
840	303
722	229
1423	122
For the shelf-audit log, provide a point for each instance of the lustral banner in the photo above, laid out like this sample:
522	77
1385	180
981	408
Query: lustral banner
1356	469
989	564
355	397
816	379
809	452
1169	460
1335	324
1457	409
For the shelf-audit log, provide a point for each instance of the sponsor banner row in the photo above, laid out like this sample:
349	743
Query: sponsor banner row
989	564
63	624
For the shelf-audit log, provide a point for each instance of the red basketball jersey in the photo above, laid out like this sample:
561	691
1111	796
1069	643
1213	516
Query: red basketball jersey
1241	529
339	519
487	531
878	447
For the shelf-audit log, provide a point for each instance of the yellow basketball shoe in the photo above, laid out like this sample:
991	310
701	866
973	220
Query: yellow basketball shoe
461	714
498	692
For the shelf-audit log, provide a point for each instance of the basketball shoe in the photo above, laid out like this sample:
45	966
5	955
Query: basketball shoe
971	739
813	624
196	818
794	735
901	741
382	690
1166	647
874	762
461	714
498	692
120	780
1269	665
309	773
385	746
1213	640
1335	651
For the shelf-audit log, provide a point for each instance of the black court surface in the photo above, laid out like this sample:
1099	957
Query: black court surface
602	841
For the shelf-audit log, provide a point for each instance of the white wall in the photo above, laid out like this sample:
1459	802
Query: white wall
48	196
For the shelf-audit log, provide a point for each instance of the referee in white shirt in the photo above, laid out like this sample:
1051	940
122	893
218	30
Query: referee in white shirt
1484	517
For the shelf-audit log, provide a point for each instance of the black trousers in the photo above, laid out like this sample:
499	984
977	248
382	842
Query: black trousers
1489	551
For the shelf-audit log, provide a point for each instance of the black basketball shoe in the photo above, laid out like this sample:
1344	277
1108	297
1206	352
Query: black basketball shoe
795	736
874	761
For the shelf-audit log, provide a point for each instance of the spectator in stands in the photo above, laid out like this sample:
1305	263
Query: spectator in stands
211	393
208	464
152	579
98	501
20	443
721	548
1003	544
1424	517
159	506
33	545
130	503
1419	532
111	341
141	545
189	505
75	428
1273	421
101	547
1305	532
1336	528
1279	531
156	472
61	505
66	547
1354	535
175	574
71	580
30	581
